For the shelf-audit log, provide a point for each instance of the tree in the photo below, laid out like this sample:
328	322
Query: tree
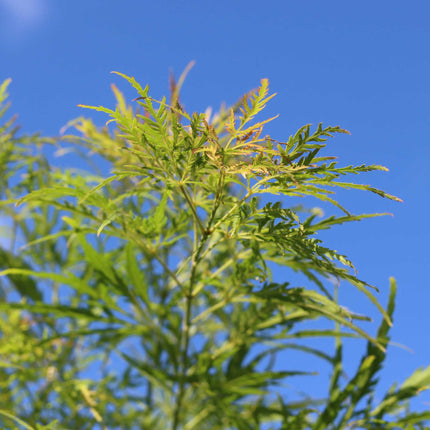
145	299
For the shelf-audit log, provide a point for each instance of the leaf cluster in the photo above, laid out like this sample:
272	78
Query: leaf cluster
159	276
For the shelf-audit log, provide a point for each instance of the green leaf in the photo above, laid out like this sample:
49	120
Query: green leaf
98	108
70	280
142	92
22	283
16	419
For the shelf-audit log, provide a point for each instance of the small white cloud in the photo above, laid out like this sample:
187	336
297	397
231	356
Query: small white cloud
19	17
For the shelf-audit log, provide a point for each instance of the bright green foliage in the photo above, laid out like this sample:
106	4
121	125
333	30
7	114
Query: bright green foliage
158	276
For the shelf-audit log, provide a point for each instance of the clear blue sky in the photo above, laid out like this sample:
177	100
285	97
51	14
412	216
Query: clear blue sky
362	65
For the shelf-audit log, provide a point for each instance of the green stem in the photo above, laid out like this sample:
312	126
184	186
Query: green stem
193	209
185	341
232	209
186	324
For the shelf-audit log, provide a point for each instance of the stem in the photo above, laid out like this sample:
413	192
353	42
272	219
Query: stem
193	209
232	209
185	341
184	361
186	323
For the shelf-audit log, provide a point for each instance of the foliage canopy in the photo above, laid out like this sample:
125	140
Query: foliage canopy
145	299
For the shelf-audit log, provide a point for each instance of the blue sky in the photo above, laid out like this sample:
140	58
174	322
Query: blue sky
361	65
